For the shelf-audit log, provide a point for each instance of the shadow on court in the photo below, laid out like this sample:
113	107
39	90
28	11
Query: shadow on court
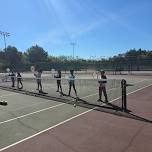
114	108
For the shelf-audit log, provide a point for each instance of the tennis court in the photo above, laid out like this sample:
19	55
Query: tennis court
36	123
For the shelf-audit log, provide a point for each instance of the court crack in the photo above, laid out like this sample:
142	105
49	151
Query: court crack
27	126
62	142
133	138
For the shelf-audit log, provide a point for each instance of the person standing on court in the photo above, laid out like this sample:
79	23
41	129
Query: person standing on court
38	80
13	76
19	81
102	80
58	76
72	82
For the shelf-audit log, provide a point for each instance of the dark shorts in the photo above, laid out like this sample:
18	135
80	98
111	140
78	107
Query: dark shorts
58	81
71	83
38	81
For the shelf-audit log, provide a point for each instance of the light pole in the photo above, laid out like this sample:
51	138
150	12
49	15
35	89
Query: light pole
73	46
4	34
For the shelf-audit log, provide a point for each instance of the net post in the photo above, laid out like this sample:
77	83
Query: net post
124	95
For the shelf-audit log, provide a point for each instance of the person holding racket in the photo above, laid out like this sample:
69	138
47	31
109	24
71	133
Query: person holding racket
13	76
102	80
72	82
58	76
19	81
38	80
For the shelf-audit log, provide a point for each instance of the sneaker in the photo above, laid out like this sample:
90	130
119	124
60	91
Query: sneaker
57	90
77	98
106	101
40	91
61	94
75	105
99	100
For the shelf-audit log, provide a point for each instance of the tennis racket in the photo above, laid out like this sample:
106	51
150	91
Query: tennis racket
95	75
33	69
53	73
8	70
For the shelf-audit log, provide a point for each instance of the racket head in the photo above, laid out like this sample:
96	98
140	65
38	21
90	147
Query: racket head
95	75
32	69
53	73
8	70
98	75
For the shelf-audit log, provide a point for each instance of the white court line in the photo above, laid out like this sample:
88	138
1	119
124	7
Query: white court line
31	113
63	122
43	110
139	89
35	112
67	120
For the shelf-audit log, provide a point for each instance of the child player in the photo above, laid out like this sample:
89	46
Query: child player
13	76
38	79
72	82
19	81
58	76
102	80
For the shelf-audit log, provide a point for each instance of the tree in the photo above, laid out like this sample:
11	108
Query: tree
12	56
2	57
36	54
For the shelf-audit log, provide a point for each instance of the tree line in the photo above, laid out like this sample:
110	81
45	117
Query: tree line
133	59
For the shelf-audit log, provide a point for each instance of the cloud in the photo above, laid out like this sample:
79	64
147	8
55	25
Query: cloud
76	18
70	25
54	36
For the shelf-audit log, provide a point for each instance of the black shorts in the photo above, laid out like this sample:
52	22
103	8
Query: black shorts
58	81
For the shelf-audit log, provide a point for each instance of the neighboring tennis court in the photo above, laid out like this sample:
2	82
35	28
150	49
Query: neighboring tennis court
37	124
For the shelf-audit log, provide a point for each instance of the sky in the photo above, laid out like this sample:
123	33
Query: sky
99	28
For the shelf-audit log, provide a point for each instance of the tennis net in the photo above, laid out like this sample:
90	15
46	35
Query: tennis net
87	90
